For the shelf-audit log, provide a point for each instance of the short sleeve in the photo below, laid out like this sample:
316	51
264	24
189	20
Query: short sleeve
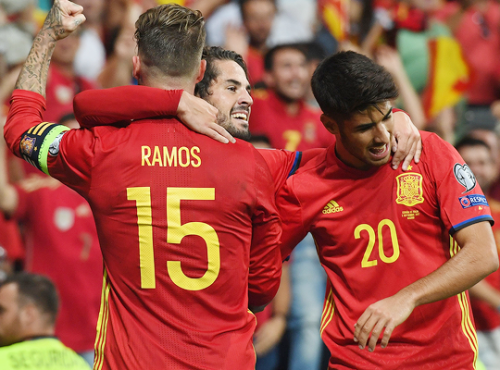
460	198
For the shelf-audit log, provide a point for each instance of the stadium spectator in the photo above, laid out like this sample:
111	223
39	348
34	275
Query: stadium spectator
28	310
280	112
60	242
251	27
151	262
63	82
90	57
485	296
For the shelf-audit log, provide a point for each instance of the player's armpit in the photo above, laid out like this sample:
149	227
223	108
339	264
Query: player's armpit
264	273
290	212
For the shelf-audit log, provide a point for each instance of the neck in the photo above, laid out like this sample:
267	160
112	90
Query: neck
260	46
349	160
169	83
292	106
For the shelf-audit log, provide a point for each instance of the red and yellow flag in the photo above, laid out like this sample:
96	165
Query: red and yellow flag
335	17
449	75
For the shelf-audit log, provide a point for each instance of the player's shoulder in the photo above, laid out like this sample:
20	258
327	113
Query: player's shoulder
309	162
433	145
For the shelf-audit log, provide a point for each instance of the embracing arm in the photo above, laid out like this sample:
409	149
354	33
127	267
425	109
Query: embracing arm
476	259
125	103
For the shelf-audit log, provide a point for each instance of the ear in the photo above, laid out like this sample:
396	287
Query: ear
136	61
28	315
201	72
330	124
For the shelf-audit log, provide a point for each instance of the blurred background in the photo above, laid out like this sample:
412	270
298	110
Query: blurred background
443	55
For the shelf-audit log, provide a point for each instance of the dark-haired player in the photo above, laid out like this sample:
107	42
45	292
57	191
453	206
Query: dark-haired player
401	249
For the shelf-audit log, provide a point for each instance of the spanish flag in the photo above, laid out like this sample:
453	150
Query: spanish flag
335	17
449	75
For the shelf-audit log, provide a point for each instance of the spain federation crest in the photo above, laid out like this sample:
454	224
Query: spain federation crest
27	144
410	190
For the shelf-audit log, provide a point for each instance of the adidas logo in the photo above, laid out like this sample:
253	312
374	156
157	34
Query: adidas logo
332	207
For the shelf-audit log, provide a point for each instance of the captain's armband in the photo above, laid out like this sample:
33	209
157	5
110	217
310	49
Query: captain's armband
39	142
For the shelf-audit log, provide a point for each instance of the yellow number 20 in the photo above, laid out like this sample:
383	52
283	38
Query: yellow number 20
175	233
367	262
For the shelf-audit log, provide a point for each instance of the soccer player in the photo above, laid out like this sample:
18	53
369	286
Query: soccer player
401	250
187	226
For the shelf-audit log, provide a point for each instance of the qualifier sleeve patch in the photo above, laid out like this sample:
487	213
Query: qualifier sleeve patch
39	141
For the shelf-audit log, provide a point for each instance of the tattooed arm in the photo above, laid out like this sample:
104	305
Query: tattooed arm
63	18
28	99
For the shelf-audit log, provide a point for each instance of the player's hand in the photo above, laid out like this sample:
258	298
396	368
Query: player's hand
406	141
201	117
63	19
382	317
269	334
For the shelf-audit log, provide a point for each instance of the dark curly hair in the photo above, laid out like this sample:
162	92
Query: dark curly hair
212	54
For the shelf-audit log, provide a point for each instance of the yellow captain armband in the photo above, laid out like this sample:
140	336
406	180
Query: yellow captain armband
40	141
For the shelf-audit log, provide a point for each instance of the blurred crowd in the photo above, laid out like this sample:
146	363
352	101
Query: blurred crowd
443	55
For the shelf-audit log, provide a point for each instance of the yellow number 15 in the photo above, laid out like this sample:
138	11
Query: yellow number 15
175	233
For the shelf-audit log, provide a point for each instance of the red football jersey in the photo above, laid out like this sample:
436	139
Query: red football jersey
392	230
61	243
300	132
188	230
255	65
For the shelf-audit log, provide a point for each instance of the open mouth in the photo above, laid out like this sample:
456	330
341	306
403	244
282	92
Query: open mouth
379	152
240	115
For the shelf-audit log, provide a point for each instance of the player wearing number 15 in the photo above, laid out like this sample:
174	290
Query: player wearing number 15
187	226
399	251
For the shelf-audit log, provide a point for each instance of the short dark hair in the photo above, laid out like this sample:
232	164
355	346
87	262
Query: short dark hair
170	37
269	57
36	289
347	83
243	2
211	55
468	141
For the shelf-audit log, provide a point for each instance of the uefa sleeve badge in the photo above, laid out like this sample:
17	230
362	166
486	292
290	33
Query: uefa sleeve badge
464	176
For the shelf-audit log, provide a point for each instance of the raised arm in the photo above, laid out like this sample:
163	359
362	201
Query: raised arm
63	18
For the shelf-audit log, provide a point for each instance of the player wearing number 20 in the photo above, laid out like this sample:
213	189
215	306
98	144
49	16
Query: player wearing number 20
402	248
187	226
